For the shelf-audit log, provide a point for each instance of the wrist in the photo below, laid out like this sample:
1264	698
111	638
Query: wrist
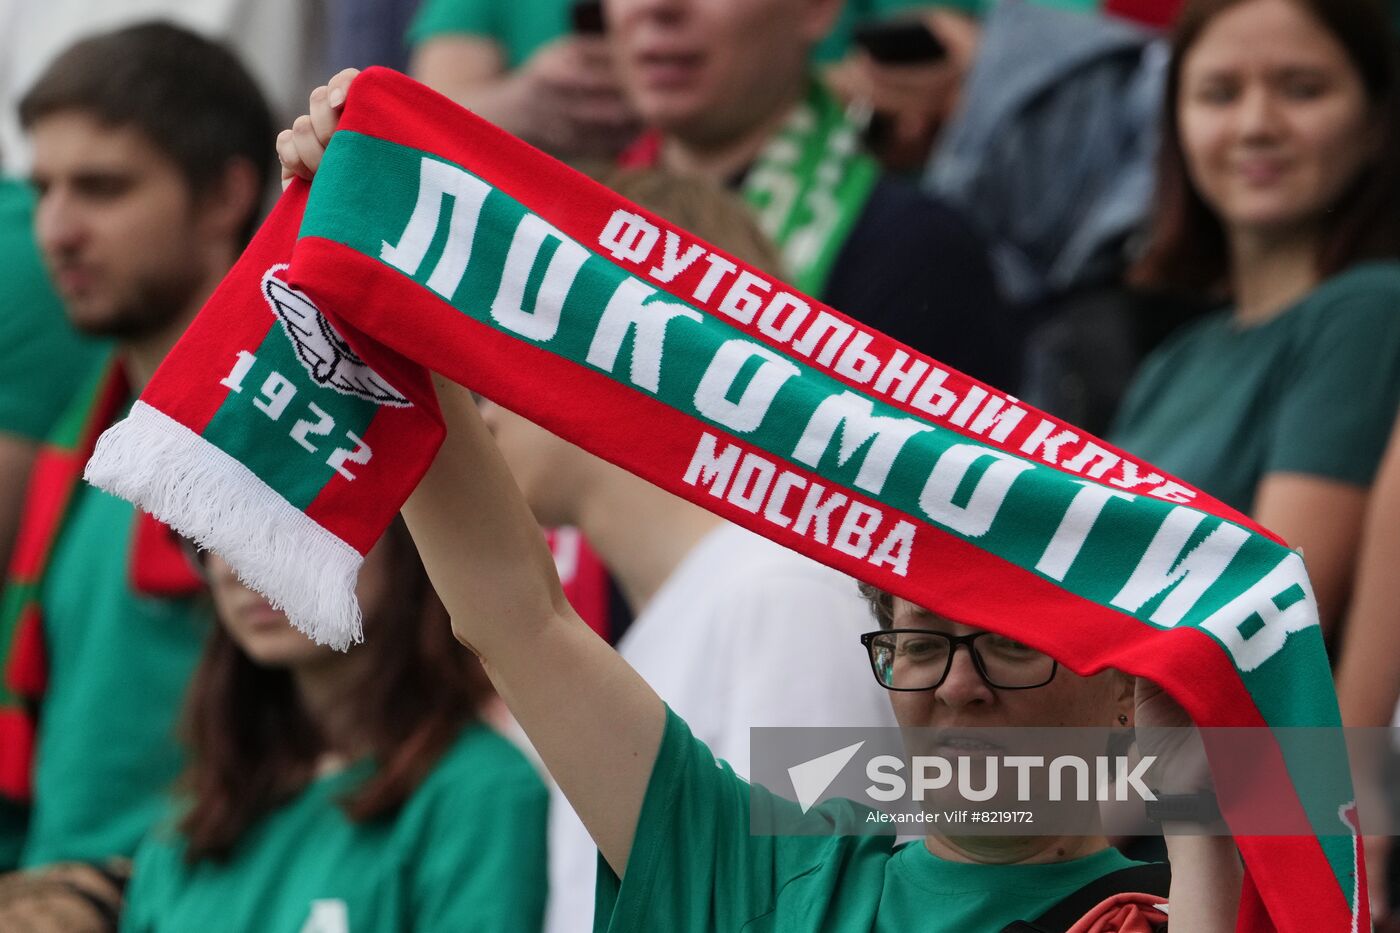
1198	808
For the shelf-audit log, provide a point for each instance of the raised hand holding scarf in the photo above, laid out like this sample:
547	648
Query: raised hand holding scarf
297	414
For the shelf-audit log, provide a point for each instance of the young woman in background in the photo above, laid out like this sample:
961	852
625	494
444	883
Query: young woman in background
332	791
1278	194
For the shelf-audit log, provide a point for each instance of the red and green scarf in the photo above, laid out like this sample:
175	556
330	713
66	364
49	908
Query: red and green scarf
296	415
158	568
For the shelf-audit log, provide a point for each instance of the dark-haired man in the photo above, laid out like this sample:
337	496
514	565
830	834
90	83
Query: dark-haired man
151	152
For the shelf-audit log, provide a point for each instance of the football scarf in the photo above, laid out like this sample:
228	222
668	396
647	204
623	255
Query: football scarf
807	187
296	415
158	568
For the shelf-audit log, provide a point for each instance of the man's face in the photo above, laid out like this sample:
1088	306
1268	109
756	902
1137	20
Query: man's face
707	71
117	225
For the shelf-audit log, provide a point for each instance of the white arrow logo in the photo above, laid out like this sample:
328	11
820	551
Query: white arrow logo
811	778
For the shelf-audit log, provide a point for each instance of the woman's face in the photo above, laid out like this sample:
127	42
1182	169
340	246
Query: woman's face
965	700
1274	118
264	633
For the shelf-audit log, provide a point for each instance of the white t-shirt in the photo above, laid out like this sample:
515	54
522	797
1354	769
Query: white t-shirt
744	633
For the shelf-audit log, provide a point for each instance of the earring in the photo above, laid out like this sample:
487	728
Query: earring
1122	719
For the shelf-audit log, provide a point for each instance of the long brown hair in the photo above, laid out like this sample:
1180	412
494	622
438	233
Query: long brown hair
253	746
1187	247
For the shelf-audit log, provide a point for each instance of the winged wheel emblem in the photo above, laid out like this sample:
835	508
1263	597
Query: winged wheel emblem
322	351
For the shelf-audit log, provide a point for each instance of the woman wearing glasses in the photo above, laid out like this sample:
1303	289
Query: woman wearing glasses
672	824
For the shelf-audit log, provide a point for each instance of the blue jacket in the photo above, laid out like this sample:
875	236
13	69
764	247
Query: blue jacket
1052	152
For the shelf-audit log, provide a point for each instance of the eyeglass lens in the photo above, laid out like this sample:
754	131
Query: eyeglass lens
908	660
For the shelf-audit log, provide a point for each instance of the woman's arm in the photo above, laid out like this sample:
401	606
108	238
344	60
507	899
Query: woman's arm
1368	676
1322	517
1207	874
593	720
1207	877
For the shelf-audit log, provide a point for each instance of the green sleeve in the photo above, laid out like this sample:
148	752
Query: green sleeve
1338	407
445	17
153	871
480	865
43	361
694	866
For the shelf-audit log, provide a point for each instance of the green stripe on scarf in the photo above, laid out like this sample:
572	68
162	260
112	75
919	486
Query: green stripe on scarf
809	186
279	465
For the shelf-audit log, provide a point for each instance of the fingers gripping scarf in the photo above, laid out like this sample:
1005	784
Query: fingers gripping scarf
296	415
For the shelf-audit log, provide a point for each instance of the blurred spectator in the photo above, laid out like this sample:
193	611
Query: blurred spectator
1368	676
43	363
1051	156
342	791
524	66
279	40
527	68
151	153
910	101
726	87
1278	191
919	98
706	649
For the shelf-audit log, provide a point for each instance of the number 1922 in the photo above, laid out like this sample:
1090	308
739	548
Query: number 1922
276	394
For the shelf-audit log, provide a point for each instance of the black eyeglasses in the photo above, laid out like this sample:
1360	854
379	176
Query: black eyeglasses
918	659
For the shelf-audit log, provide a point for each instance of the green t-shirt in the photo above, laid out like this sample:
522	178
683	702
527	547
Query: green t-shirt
1313	391
465	853
522	26
694	867
43	361
118	666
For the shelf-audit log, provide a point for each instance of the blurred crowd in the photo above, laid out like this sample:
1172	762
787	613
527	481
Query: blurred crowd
1175	223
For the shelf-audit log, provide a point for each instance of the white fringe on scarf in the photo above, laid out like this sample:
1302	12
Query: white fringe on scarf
206	495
